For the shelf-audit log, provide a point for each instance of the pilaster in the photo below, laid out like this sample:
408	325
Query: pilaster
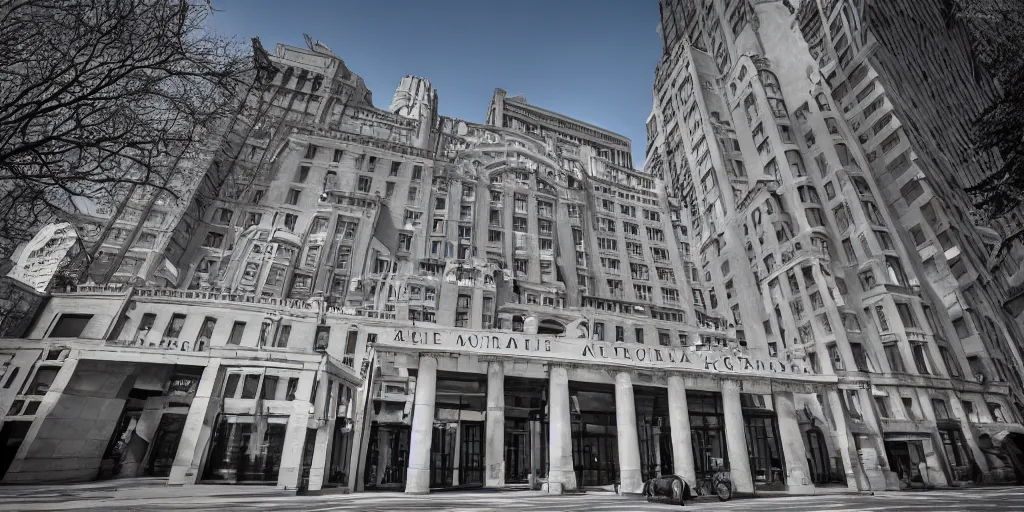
418	477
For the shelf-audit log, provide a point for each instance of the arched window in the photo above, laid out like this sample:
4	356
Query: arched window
550	326
517	323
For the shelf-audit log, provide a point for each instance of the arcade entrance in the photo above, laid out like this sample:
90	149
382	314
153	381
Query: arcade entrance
457	447
763	446
595	448
387	457
707	432
653	431
526	431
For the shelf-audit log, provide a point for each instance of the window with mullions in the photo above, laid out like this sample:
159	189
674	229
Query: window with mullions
763	445
707	432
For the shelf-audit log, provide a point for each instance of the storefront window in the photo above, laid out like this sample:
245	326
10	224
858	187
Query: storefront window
247	448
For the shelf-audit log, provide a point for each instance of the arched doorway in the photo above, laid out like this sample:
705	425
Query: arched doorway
817	456
549	326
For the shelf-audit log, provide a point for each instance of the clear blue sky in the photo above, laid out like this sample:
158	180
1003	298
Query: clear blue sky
590	59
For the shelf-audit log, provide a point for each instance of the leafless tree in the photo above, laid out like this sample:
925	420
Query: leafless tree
100	97
997	29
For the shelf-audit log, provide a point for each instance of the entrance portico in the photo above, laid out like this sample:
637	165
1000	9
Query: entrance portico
587	396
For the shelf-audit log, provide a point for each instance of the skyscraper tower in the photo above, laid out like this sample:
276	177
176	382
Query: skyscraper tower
781	138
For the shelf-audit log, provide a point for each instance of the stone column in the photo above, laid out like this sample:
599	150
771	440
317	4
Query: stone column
630	477
46	406
939	469
875	447
736	438
798	476
561	476
197	430
418	478
957	409
536	464
494	450
295	433
856	479
679	423
318	471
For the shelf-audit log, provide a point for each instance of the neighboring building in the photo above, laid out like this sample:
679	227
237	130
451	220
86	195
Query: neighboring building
37	262
393	299
787	159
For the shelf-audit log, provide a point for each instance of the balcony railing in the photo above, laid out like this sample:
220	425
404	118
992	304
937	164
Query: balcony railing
223	297
165	344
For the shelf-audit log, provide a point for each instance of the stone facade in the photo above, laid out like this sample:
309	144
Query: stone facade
819	145
394	299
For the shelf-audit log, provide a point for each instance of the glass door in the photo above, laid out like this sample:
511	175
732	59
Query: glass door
763	448
821	469
667	457
442	454
387	457
517	451
471	458
165	445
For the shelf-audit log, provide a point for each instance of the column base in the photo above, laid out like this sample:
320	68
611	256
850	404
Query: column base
800	489
631	481
891	480
417	481
495	478
562	480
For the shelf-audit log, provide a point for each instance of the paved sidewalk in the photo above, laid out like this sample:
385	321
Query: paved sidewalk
153	495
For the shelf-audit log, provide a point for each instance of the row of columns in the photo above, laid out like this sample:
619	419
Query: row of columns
561	474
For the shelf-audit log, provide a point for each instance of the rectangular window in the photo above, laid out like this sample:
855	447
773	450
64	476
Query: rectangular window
892	353
250	385
908	404
920	358
236	333
174	326
364	184
303	174
70	326
269	389
282	336
289	221
337	155
395	166
883	406
213	240
293	197
350	348
205	333
951	365
664	339
907	315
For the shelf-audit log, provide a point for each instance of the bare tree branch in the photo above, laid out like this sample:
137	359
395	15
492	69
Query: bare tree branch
97	96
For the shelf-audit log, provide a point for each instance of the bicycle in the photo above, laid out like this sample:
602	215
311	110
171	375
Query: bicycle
715	484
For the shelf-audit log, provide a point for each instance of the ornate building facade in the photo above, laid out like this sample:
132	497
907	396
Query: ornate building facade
818	146
371	299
